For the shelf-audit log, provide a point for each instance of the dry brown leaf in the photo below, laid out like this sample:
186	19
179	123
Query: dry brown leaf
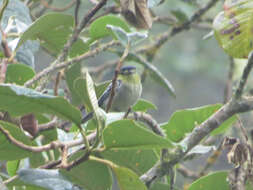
136	12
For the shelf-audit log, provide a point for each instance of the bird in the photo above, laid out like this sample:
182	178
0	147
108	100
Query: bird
128	90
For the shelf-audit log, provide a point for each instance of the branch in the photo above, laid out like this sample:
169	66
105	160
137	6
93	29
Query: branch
114	80
48	6
52	145
244	77
65	64
175	30
228	88
79	28
234	106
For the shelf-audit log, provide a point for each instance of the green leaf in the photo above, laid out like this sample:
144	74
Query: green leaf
98	28
160	186
12	167
9	151
48	179
89	175
184	121
135	160
126	37
72	74
143	105
233	28
217	180
101	87
81	90
127	179
20	101
113	138
18	73
53	30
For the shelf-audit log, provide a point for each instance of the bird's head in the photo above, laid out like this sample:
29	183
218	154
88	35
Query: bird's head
129	74
127	70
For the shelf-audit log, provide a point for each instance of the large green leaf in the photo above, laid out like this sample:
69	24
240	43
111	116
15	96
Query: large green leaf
125	134
53	30
160	186
217	180
98	28
46	179
12	167
184	121
90	175
72	74
20	101
18	73
125	38
143	105
9	151
127	179
140	161
233	28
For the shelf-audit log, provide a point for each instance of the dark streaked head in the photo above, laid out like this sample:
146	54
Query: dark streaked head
127	70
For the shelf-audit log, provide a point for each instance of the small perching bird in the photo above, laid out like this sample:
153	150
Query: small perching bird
127	91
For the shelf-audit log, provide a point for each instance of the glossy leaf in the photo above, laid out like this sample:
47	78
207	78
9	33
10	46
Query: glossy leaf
20	101
127	179
12	167
135	160
133	38
53	30
90	175
143	105
184	121
101	87
9	151
217	180
113	138
98	28
71	75
48	179
160	186
18	73
233	28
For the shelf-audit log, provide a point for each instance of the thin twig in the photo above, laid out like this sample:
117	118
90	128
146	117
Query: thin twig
127	112
48	6
175	30
65	64
116	73
228	88
49	125
57	82
79	28
244	77
52	145
78	3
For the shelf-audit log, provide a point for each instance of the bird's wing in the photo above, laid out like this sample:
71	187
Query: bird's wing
104	97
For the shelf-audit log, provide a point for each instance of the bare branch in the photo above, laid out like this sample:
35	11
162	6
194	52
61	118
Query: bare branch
53	67
244	77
